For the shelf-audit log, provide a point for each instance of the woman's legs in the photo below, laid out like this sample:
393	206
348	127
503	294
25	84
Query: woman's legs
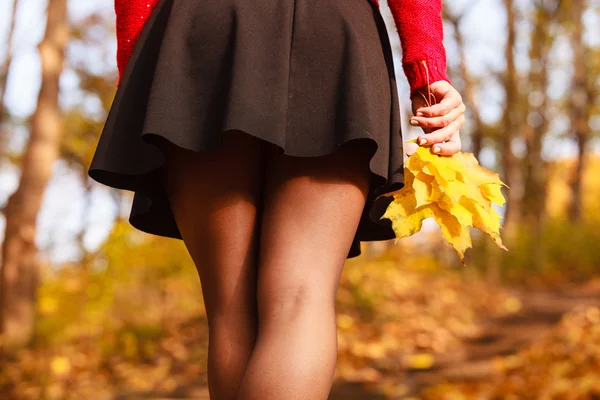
312	207
215	198
309	216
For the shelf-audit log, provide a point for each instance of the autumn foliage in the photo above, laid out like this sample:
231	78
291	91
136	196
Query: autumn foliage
456	191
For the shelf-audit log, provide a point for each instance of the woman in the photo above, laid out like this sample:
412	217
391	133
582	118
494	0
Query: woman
260	133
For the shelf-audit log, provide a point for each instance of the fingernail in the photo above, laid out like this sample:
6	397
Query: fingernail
436	149
422	141
419	114
414	122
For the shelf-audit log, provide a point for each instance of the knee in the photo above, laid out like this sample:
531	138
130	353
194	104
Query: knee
231	314
232	333
295	300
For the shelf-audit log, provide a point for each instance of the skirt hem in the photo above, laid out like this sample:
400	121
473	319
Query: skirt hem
135	183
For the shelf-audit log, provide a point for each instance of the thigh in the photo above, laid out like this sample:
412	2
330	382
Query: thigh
215	198
312	208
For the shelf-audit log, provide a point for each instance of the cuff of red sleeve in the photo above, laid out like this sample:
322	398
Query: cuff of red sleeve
419	73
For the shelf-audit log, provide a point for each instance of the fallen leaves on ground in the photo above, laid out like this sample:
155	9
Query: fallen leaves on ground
564	364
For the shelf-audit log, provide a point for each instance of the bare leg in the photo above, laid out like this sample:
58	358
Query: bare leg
312	207
215	198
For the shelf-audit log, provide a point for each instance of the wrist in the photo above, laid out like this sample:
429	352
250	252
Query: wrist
423	72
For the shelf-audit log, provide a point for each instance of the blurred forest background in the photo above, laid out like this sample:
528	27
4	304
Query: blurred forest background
92	308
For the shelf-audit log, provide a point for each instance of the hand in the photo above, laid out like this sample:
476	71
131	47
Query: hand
441	117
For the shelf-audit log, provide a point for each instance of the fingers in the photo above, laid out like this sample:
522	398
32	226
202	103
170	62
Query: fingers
441	121
443	134
448	148
451	101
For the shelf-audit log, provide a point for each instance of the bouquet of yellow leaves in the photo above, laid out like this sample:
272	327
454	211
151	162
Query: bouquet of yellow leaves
455	190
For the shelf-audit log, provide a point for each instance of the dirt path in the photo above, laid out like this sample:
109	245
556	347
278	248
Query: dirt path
505	336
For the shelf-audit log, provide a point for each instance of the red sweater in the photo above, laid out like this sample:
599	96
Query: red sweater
418	23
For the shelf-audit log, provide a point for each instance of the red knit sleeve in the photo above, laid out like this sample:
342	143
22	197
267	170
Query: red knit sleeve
420	27
131	16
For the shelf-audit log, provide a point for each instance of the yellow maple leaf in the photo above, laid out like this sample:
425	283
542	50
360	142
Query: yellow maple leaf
423	189
460	212
453	231
455	191
406	218
493	193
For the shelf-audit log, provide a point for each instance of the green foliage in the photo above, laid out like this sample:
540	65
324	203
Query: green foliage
135	280
568	250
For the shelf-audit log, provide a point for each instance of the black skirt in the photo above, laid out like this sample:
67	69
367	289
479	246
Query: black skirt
305	75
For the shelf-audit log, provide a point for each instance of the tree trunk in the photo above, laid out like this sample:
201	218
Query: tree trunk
535	129
511	124
20	274
534	199
4	70
581	100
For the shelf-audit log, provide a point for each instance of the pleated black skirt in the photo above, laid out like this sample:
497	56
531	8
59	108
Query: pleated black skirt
304	75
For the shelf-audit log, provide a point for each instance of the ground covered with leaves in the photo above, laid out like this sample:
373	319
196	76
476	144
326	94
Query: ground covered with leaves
132	326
